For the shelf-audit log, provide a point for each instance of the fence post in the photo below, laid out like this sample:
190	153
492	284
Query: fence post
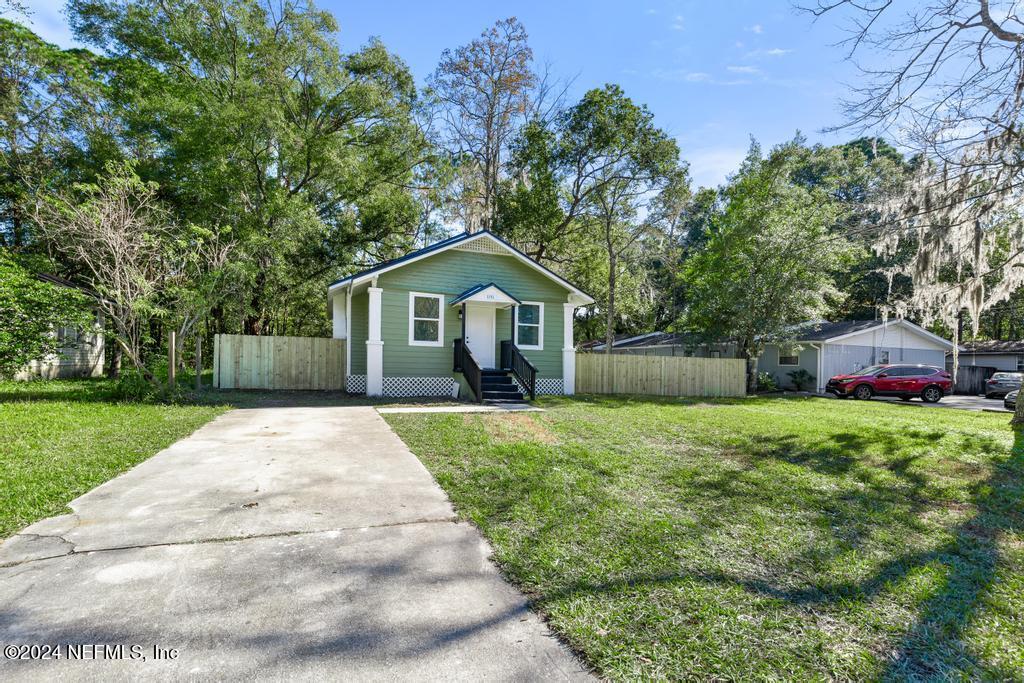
199	362
171	360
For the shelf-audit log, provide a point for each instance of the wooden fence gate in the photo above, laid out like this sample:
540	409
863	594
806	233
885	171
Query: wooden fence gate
251	362
598	373
970	379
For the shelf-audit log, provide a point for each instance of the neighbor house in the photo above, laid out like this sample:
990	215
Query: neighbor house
663	344
825	349
469	316
81	349
1005	356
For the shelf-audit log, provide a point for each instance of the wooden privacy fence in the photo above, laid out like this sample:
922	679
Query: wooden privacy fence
250	362
598	373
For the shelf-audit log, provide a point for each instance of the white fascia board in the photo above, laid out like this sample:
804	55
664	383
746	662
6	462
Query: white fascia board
585	298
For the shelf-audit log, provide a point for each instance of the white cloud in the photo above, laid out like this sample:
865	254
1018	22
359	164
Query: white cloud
710	166
773	52
756	28
46	18
651	11
677	23
743	69
684	76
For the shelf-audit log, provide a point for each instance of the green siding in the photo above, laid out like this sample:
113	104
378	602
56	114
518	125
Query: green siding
360	325
451	273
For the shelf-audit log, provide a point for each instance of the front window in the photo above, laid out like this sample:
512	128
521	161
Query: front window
426	319
883	357
530	325
870	370
1020	362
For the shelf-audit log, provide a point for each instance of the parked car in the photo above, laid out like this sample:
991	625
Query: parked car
906	381
1002	383
1010	400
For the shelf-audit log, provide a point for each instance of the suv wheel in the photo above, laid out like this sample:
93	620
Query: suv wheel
863	392
931	394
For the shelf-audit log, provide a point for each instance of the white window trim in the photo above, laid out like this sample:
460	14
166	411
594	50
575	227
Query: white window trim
540	326
440	318
796	354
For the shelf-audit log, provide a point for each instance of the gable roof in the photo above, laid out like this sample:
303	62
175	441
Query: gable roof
479	289
447	244
993	346
826	331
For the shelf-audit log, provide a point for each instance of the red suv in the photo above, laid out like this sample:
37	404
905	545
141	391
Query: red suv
905	381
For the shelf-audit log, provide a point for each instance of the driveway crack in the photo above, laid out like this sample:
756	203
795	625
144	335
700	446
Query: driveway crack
450	519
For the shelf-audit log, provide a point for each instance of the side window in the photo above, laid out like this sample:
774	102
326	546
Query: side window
789	355
1020	362
883	357
426	319
530	325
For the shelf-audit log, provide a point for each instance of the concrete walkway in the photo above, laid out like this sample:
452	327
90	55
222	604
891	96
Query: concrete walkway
281	543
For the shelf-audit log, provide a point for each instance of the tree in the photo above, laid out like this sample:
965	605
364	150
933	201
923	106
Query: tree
251	120
948	77
32	311
768	263
41	86
133	255
484	88
581	181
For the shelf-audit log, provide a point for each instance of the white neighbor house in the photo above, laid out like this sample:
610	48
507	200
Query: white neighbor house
825	349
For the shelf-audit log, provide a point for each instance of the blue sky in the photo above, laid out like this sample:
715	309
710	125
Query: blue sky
713	73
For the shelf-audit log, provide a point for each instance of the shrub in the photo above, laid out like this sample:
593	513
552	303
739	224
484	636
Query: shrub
766	382
801	378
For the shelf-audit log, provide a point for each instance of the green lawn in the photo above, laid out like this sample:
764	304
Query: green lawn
753	539
59	439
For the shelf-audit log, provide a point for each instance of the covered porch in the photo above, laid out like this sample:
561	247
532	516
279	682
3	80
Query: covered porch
489	358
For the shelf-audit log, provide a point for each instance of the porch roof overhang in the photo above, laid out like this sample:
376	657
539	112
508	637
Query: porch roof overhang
489	293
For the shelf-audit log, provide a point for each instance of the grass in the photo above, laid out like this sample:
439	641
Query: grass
752	538
63	438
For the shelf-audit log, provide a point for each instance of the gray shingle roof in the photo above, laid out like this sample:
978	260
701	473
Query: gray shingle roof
823	330
993	347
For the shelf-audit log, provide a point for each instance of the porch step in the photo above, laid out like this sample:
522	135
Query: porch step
498	385
503	395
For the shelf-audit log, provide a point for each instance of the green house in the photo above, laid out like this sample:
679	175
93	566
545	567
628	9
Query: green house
469	316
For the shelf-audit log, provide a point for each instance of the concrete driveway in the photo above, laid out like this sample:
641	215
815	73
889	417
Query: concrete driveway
956	401
277	543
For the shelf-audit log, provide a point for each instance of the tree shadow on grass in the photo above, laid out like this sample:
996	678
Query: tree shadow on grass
891	490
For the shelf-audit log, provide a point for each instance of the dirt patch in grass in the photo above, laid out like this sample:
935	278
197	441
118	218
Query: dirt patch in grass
512	427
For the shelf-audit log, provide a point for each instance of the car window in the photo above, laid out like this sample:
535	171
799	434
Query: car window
1007	375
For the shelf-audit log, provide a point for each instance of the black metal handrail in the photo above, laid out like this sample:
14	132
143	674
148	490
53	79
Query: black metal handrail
464	362
524	371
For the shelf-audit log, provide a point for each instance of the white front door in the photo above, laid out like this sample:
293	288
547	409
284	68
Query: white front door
480	333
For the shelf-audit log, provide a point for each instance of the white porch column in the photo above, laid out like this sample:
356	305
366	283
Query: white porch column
568	351
374	347
339	316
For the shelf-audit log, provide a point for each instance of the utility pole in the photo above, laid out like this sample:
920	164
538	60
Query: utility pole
199	362
172	365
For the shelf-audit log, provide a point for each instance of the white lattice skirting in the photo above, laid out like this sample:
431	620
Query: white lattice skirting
545	385
419	386
436	386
